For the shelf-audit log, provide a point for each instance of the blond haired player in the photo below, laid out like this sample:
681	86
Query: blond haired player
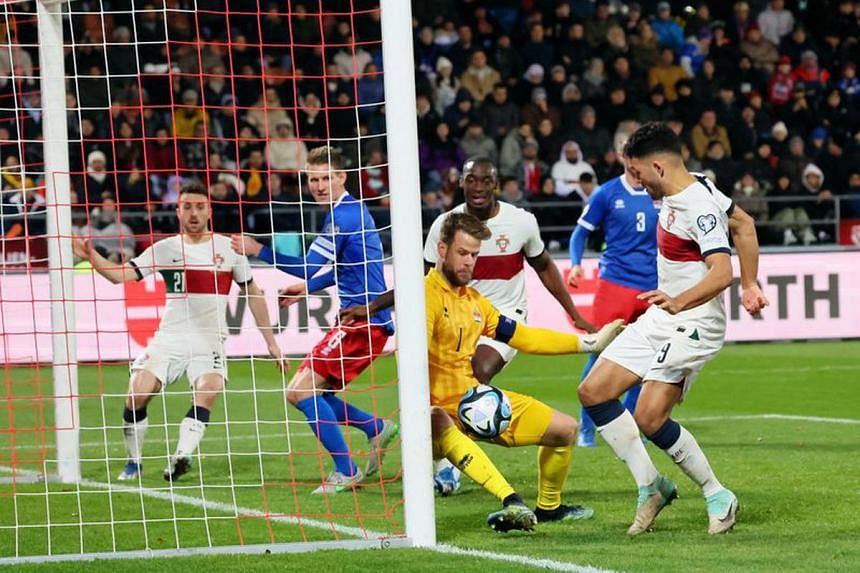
198	267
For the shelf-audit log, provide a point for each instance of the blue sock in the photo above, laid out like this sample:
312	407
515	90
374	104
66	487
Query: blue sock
666	435
353	416
586	425
632	397
605	412
324	424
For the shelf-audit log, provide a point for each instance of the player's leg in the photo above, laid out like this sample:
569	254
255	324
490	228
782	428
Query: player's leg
205	390
451	443
586	437
356	350
142	386
304	392
653	417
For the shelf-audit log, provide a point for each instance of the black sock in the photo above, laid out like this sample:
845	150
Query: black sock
513	498
134	416
198	413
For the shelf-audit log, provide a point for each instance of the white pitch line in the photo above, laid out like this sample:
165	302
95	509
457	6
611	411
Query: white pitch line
787	417
549	564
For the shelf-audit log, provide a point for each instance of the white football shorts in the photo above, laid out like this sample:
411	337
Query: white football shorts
673	352
167	357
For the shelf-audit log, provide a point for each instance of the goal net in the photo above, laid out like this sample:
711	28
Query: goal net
107	110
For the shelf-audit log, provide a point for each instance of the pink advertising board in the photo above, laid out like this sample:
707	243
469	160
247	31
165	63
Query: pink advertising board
813	295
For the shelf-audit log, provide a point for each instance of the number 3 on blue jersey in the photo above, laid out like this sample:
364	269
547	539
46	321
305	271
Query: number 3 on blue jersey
640	221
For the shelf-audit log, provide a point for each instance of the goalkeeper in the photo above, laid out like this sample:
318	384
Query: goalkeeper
457	316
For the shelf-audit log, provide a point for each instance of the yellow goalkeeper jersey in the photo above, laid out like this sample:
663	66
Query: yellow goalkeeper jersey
456	318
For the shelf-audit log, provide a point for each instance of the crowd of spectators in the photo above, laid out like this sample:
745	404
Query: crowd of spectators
234	93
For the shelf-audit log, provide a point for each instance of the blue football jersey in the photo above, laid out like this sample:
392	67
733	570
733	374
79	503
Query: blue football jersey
628	217
350	241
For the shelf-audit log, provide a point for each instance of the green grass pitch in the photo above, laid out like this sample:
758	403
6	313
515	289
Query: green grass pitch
753	410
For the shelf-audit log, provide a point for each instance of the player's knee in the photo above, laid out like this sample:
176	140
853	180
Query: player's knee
588	395
439	421
648	420
562	432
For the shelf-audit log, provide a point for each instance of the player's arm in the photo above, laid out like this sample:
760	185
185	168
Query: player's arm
360	313
742	228
578	239
551	278
257	304
116	274
320	253
715	281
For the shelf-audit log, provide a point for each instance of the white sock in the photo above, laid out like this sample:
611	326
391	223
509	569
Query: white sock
690	457
441	464
190	433
133	434
622	435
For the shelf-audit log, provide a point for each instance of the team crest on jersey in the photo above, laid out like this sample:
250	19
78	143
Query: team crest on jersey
619	203
218	259
476	315
670	219
503	242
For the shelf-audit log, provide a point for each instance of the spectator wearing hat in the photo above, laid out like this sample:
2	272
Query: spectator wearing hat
775	21
479	78
97	181
499	115
822	207
571	98
445	85
594	137
668	31
569	169
817	141
188	115
530	170
555	85
539	109
761	51
781	84
779	141
706	131
575	51
593	83
532	78
666	73
813	77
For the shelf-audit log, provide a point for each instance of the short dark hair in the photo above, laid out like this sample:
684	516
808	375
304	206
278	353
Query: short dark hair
651	138
586	178
195	188
476	160
326	154
465	222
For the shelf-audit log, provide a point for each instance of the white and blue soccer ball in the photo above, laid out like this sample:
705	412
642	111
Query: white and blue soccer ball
485	411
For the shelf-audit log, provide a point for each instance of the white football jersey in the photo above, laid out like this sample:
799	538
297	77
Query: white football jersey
693	224
500	272
198	277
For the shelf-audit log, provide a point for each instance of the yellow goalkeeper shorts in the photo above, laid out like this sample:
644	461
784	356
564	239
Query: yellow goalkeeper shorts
530	419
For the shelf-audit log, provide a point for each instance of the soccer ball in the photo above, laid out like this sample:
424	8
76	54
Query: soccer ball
485	411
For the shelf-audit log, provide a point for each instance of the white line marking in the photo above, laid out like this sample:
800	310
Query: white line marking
233	438
788	417
550	564
237	510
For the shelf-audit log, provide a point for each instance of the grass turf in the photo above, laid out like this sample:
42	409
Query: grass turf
796	478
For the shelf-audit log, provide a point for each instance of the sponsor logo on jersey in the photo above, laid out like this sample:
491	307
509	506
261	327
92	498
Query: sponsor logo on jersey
503	242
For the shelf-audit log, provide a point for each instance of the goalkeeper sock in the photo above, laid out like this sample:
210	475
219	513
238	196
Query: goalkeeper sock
553	466
619	430
324	425
353	416
133	431
685	451
191	430
473	461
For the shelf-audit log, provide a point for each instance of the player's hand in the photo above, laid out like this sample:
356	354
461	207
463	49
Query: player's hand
353	314
574	276
82	248
292	294
582	324
662	300
245	245
281	362
753	299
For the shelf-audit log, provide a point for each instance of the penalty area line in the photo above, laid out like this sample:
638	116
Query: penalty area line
786	417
